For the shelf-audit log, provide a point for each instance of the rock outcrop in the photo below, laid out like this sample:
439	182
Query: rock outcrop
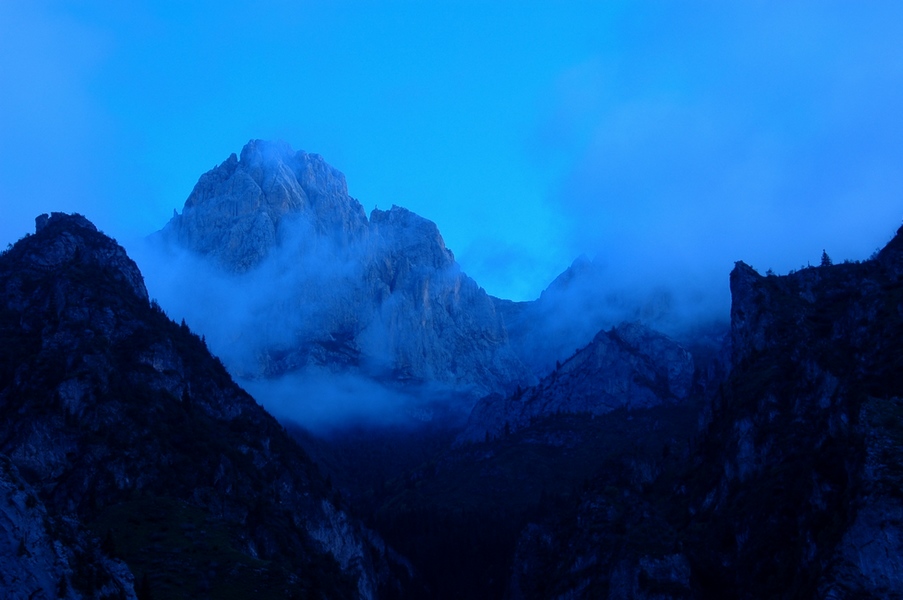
334	290
869	557
239	211
431	322
630	366
799	455
122	420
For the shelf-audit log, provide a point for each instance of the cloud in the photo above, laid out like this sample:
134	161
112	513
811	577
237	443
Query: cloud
301	331
706	134
303	289
327	402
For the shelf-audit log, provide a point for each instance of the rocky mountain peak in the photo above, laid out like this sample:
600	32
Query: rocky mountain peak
816	360
265	160
333	289
747	321
583	272
62	239
240	210
75	220
110	412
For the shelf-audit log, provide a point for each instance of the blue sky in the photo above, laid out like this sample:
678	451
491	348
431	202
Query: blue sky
668	139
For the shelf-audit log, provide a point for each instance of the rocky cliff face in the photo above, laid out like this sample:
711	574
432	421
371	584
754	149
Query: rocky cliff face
868	558
431	321
816	360
629	367
239	211
121	419
334	290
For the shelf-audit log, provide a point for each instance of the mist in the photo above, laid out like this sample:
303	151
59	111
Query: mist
704	136
302	330
326	402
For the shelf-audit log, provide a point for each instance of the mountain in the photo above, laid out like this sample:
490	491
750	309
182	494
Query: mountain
126	429
582	301
239	212
566	316
638	466
629	367
791	489
814	406
333	290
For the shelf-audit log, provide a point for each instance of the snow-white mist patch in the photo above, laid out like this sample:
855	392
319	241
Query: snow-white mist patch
291	295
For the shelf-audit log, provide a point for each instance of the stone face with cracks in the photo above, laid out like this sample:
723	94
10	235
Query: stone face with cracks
238	211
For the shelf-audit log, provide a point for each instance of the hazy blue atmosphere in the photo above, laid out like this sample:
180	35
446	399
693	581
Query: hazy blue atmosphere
667	138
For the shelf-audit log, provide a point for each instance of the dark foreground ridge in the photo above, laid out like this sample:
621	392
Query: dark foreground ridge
151	472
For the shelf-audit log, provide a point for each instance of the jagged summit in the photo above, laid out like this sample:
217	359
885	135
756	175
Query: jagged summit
271	195
239	210
333	289
582	272
74	220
